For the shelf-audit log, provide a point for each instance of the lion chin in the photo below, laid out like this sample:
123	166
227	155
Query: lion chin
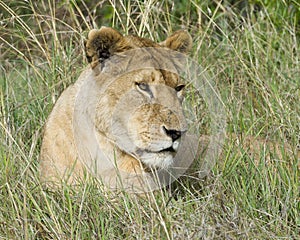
158	160
124	114
161	158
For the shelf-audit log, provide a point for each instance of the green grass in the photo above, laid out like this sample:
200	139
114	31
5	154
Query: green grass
254	61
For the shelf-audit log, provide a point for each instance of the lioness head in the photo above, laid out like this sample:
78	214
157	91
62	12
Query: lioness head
140	93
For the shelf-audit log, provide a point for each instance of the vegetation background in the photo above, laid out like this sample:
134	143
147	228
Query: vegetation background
250	48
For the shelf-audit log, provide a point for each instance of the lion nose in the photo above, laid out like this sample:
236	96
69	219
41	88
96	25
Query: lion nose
174	134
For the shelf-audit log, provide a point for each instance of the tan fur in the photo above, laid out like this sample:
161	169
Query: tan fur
78	132
262	150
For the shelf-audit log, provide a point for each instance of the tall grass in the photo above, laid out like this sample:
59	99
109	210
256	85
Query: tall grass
253	58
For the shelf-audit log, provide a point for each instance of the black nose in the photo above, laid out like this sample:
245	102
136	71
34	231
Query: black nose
174	134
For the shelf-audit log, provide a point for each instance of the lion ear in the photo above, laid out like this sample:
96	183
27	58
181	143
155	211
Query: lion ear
180	41
101	44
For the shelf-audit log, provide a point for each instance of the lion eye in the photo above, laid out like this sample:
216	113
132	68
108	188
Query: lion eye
142	86
179	87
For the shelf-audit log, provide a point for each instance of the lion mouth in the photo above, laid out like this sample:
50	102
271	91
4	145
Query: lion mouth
169	149
165	150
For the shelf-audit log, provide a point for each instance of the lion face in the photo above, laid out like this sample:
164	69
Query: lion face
140	109
147	121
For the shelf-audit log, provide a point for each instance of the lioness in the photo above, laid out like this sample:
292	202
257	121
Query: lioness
123	119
